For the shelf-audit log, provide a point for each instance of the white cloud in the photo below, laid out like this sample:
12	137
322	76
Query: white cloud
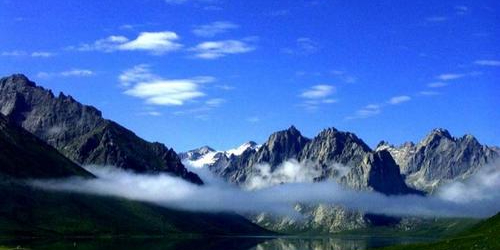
318	91
437	84
487	63
154	42
367	111
477	196
155	90
215	28
450	76
67	73
216	49
399	99
215	102
288	172
429	93
77	72
42	54
317	95
166	92
14	53
138	73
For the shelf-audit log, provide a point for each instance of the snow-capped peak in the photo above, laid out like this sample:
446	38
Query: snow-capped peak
239	150
206	156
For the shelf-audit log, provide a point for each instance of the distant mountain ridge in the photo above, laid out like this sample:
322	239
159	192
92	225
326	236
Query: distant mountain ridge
81	133
439	158
346	159
326	153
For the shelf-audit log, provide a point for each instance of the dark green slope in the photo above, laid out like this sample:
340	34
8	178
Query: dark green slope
484	235
26	211
22	155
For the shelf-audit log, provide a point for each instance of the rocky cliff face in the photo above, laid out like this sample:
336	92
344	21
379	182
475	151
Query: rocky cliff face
288	156
332	155
81	133
440	158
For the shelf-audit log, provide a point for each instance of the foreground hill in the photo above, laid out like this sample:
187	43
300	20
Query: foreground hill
28	212
23	155
81	133
485	235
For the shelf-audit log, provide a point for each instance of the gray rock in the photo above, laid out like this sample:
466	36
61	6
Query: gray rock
81	133
440	158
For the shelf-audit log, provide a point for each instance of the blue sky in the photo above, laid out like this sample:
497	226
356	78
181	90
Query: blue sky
217	72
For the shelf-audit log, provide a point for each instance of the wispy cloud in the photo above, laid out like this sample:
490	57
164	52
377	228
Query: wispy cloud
495	63
436	19
282	12
344	76
318	92
367	111
215	102
303	46
155	90
373	109
450	76
317	95
214	28
138	73
15	53
67	73
399	99
156	43
437	84
428	93
461	9
217	49
253	119
42	54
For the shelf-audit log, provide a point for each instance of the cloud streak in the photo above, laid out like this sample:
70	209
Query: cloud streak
156	43
217	49
477	197
214	28
140	82
67	73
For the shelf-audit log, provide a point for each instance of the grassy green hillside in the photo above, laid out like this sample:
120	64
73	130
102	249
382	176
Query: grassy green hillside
485	235
26	211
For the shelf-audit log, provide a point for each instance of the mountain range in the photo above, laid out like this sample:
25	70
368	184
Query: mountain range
342	157
44	136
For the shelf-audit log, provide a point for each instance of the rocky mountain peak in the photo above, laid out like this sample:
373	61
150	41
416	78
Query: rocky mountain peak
18	79
281	146
437	135
80	132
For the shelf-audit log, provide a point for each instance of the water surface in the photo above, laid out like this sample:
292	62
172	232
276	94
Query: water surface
223	243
